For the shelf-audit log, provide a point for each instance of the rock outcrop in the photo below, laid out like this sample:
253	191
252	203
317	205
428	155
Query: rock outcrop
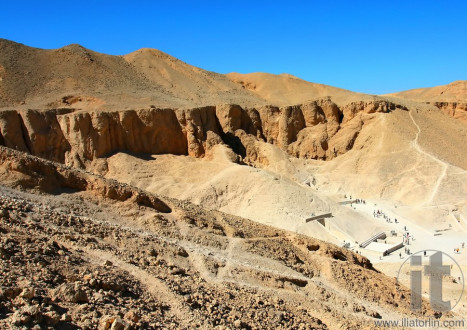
318	129
53	178
453	109
93	135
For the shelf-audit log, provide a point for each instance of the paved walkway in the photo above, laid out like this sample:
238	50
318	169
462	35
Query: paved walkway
421	238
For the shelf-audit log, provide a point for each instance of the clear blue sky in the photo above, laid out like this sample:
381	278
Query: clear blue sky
366	46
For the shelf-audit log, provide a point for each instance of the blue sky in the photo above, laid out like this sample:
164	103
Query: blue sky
366	46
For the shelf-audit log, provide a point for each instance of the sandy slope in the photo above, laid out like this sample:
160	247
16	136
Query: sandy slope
396	162
285	89
400	159
453	92
396	166
402	156
186	84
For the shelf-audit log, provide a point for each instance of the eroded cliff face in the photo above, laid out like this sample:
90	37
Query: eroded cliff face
454	109
94	135
36	132
318	129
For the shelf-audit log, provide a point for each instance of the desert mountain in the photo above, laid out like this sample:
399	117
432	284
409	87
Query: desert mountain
79	76
145	175
186	84
285	89
75	75
453	92
451	98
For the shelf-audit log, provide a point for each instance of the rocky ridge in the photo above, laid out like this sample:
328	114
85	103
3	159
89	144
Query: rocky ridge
318	129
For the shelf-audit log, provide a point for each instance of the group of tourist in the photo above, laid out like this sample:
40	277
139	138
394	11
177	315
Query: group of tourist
406	235
406	238
378	214
356	201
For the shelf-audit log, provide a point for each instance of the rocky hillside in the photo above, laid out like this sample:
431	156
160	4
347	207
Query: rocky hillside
451	98
316	130
455	109
286	89
79	77
93	257
453	92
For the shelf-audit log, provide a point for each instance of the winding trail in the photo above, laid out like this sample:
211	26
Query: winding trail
443	165
155	287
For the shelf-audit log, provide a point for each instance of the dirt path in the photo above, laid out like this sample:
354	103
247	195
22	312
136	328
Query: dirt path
225	272
154	286
443	165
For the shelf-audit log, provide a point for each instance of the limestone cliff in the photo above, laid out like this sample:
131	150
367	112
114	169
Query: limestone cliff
454	109
318	129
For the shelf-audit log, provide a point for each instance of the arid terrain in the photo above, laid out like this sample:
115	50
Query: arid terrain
138	191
